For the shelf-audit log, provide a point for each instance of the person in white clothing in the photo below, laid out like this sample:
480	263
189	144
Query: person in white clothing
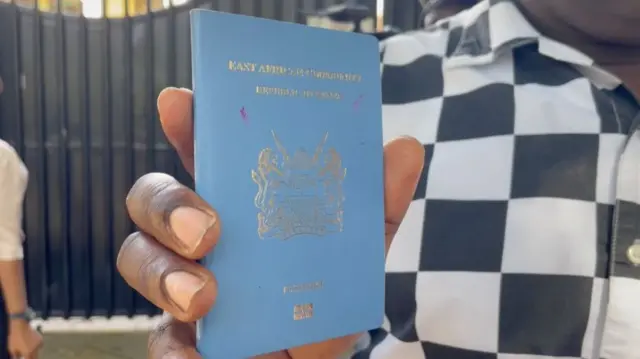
17	338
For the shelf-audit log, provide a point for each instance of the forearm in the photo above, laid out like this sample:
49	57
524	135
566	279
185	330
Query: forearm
13	183
13	286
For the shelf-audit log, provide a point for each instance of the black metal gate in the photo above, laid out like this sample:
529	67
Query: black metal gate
79	106
403	14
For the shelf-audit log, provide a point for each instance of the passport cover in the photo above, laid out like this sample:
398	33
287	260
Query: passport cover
288	150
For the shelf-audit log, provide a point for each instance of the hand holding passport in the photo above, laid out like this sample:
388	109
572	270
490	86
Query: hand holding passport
178	226
165	246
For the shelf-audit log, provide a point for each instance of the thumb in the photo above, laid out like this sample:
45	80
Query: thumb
403	163
176	117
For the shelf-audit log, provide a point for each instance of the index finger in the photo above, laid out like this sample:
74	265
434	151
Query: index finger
175	107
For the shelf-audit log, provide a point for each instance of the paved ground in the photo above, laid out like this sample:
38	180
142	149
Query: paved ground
95	346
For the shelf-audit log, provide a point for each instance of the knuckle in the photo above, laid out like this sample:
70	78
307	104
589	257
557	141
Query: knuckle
141	261
153	197
127	246
148	186
152	267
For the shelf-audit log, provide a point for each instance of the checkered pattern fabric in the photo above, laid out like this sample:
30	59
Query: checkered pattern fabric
519	242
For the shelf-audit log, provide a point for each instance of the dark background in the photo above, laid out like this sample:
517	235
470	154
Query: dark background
79	105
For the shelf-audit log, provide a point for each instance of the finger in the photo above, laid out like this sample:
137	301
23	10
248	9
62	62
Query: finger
403	163
173	339
334	348
179	286
176	117
173	214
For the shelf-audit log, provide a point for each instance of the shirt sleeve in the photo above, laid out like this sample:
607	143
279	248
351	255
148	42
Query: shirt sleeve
13	183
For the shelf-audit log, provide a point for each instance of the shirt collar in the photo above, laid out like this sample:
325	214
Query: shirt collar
481	34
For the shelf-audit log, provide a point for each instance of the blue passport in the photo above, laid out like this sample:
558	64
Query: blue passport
288	150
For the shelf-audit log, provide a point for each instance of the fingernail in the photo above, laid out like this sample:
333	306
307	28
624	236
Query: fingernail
181	287
190	225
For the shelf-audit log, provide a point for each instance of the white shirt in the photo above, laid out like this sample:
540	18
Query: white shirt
522	240
13	184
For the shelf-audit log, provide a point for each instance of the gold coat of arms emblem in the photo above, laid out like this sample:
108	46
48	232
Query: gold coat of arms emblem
299	192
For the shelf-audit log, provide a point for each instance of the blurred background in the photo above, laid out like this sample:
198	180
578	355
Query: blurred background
80	84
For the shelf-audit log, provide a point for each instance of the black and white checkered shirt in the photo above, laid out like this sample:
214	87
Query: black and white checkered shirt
522	241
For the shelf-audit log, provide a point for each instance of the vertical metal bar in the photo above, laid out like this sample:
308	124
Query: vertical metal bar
418	15
148	120
188	65
61	80
376	25
150	87
108	154
258	9
278	10
410	16
299	16
87	152
387	18
42	163
179	74
128	95
188	53
17	70
172	75
129	169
